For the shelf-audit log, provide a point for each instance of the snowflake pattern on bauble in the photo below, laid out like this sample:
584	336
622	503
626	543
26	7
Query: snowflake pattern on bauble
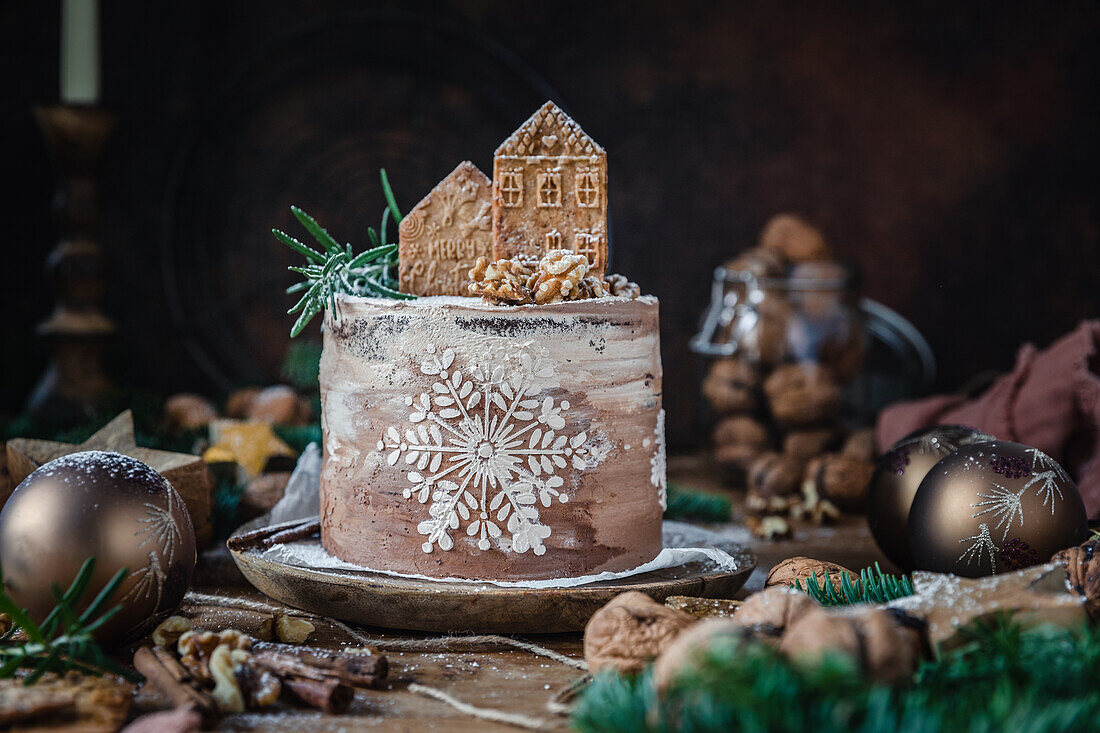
1005	506
485	448
982	548
1046	474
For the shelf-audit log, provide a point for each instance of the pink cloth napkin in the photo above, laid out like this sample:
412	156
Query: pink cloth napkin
1050	400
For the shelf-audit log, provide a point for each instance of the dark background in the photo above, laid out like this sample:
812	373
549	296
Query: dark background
948	149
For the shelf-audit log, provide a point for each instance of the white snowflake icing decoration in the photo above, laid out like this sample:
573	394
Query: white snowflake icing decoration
658	463
485	449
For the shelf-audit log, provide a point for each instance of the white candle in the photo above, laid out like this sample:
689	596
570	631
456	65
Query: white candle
79	51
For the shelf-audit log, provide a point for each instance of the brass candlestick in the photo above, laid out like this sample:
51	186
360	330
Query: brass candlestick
77	329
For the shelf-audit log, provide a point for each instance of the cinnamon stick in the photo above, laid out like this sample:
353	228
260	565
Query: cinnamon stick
265	537
164	672
354	670
327	695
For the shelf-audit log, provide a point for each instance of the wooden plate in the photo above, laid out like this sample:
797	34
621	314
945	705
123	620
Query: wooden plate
376	599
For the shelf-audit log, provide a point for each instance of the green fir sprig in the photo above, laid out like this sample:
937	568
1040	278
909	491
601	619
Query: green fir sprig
1041	680
337	269
64	640
683	503
873	586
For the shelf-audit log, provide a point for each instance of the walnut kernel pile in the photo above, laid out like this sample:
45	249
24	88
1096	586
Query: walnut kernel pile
559	276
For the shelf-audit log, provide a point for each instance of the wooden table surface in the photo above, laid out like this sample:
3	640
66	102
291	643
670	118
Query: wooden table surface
511	681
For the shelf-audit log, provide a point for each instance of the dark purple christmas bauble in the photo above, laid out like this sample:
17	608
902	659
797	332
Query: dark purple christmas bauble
896	478
112	507
994	508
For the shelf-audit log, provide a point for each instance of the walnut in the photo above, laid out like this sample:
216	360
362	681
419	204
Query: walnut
730	386
559	273
861	444
800	569
766	340
802	394
879	640
769	528
813	507
760	261
629	632
503	281
816	632
794	238
239	402
590	287
170	630
758	504
685	651
739	439
809	442
278	405
841	479
188	412
293	630
768	612
772	474
196	647
224	664
1083	573
621	287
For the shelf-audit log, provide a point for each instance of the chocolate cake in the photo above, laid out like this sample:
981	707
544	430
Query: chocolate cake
514	436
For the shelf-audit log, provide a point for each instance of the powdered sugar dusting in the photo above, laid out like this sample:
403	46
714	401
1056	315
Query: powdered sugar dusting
95	464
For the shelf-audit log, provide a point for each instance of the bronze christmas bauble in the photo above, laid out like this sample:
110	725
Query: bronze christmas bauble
896	478
112	507
993	508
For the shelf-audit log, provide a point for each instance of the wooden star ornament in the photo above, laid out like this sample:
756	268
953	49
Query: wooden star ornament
187	473
1033	595
251	444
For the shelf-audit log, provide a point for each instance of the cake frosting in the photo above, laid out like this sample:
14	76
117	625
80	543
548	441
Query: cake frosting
472	440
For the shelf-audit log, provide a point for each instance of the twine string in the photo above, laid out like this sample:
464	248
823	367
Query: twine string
478	642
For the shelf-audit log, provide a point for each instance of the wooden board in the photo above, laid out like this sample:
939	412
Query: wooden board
404	603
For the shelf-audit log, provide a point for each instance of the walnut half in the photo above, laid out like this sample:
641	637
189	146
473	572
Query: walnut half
224	664
293	630
170	630
196	647
560	272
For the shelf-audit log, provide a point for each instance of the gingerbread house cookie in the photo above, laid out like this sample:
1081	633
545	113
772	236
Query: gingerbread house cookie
550	191
442	236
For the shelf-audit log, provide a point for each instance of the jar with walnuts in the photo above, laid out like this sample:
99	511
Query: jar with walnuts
786	335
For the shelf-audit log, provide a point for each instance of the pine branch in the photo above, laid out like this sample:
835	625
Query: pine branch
64	640
337	270
1040	680
873	586
687	504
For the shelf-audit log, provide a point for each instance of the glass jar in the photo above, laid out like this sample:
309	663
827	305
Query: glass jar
811	315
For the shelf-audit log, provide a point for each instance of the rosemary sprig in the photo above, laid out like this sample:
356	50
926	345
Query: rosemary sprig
873	586
337	269
64	640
